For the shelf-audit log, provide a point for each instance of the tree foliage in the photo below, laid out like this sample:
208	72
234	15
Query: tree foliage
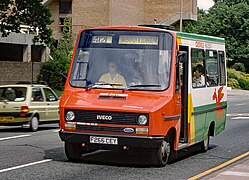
14	13
228	19
61	57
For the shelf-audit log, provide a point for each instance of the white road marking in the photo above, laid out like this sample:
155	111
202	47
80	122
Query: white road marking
15	137
234	173
242	104
240	117
25	165
238	114
56	131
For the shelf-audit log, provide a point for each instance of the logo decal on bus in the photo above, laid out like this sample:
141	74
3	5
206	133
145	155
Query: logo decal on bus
218	96
129	130
104	117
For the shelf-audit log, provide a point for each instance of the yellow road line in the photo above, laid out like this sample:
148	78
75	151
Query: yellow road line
219	167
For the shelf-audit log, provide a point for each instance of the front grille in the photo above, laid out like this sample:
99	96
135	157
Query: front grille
100	128
117	117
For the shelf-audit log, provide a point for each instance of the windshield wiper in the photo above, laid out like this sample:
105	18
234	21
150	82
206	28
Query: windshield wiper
96	85
111	84
146	85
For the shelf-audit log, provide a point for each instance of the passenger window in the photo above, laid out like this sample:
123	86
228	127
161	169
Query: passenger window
222	64
198	73
50	96
212	68
37	95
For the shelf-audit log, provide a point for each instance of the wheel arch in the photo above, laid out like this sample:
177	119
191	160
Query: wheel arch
211	128
171	137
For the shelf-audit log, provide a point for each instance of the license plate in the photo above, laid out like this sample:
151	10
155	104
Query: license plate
103	140
7	118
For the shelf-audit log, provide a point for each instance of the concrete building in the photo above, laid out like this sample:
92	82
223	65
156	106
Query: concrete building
85	13
20	60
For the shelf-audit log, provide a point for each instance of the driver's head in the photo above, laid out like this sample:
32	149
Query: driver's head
112	66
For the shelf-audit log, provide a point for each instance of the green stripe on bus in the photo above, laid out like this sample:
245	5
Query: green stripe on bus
200	37
209	106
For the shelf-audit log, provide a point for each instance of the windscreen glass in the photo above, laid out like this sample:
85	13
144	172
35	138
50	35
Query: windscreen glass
122	60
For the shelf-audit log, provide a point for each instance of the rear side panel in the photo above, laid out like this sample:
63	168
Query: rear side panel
206	105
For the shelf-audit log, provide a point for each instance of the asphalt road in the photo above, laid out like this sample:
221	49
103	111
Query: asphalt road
40	155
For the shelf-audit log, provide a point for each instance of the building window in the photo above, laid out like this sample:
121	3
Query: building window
62	23
65	6
65	24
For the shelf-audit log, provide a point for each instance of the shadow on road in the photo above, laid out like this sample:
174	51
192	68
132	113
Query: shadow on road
119	158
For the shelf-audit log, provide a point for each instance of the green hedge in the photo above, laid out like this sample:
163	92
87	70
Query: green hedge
237	79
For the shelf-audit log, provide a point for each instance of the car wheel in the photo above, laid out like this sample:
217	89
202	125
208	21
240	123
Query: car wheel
34	123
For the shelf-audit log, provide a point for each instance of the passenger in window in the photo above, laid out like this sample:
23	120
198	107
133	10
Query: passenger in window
19	96
37	97
113	77
198	77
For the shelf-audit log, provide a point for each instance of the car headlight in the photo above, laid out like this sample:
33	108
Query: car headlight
142	120
70	116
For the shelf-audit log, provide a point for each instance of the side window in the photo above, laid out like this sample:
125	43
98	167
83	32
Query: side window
212	68
37	95
50	96
198	73
79	75
222	66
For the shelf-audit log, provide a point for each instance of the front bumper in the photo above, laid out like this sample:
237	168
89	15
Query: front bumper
128	141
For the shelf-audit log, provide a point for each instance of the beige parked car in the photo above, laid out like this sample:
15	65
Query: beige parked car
28	105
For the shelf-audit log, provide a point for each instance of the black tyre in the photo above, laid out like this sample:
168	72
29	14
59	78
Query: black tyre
73	151
205	142
34	124
173	156
160	155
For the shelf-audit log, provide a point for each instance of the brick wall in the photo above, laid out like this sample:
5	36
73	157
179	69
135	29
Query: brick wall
121	12
89	13
126	12
12	72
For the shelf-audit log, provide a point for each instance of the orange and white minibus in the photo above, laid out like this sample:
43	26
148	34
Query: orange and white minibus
143	88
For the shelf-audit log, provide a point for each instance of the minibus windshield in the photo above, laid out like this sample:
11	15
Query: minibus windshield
139	60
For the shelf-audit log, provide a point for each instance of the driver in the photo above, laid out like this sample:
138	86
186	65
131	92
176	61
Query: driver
113	77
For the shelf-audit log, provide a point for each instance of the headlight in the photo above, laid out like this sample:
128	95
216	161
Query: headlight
70	116
142	120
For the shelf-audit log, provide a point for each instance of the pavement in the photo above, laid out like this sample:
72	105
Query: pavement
237	168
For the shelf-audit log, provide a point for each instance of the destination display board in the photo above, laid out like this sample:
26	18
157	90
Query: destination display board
140	40
102	39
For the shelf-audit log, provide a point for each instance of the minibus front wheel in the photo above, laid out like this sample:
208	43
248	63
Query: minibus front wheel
73	151
160	155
